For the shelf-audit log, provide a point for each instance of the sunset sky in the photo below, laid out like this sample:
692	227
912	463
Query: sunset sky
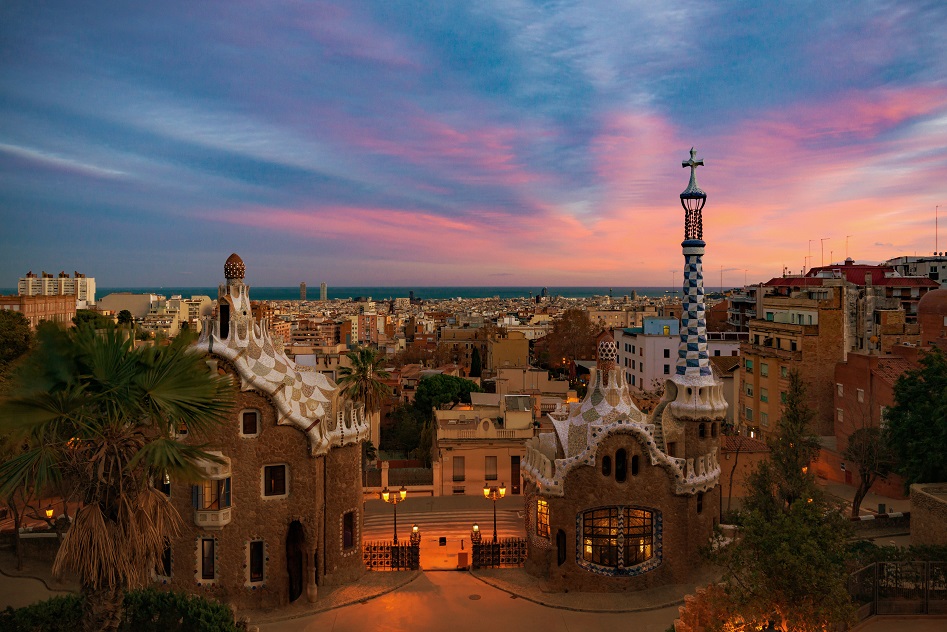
476	142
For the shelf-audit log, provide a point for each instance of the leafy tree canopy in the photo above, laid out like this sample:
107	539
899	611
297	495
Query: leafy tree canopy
789	563
16	335
435	390
125	317
93	318
572	337
917	423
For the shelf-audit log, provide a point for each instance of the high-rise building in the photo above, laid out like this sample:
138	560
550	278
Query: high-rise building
302	291
80	286
323	291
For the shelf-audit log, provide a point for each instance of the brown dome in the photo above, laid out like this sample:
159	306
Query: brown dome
934	302
234	268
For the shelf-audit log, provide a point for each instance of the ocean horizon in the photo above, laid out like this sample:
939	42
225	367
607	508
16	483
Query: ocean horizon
391	292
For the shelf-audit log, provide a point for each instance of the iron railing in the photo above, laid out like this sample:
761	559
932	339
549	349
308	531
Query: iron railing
902	588
507	552
388	556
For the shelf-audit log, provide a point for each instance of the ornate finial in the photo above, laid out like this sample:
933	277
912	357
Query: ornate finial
692	189
234	268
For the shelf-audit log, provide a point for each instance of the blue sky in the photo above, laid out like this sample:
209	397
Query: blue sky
465	143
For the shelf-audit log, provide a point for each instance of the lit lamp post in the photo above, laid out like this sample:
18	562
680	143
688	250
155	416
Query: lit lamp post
394	499
415	535
475	534
49	512
494	494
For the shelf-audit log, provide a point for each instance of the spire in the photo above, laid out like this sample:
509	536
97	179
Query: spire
692	357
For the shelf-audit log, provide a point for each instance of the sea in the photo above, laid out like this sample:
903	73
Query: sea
391	292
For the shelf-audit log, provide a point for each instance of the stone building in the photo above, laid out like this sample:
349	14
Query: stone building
618	500
281	513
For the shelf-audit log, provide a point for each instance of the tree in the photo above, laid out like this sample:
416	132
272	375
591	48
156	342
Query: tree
16	335
92	409
917	423
92	318
476	364
125	318
362	381
436	390
789	563
572	337
872	457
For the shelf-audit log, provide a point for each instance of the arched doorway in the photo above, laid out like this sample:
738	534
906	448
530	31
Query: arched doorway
295	560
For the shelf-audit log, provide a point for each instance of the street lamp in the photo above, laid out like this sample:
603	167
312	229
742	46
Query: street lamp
494	494
49	512
475	534
415	535
394	499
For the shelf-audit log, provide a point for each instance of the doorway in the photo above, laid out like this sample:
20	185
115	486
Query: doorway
295	551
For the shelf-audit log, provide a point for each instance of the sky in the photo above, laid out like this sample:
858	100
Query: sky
495	142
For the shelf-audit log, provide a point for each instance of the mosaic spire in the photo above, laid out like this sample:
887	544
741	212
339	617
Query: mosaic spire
692	356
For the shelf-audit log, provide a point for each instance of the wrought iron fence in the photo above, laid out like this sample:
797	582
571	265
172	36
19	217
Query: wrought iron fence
388	556
506	552
900	588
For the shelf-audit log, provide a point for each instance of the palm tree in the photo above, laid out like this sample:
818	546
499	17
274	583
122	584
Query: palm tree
92	410
362	383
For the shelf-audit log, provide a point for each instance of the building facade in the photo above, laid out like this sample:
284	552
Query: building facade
280	514
79	286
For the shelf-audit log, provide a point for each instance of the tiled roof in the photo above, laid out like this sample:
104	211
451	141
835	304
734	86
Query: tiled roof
890	369
725	364
744	444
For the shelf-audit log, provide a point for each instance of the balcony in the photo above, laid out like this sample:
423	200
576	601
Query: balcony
212	519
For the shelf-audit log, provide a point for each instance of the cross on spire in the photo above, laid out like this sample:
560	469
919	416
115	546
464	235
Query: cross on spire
693	164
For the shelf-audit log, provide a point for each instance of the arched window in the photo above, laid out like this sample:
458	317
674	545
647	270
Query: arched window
604	528
621	465
542	518
634	465
713	429
606	466
701	431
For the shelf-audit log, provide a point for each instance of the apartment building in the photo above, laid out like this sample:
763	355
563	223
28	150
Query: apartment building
80	286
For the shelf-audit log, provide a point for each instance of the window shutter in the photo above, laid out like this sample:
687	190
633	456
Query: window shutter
195	496
226	502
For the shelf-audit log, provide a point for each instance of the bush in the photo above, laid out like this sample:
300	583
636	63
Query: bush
146	610
59	613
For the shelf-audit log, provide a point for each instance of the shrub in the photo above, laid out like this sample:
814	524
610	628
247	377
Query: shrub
146	610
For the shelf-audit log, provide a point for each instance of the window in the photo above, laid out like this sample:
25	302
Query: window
542	518
700	502
256	560
748	388
604	528
782	397
458	469
560	547
838	412
211	495
621	465
672	448
348	530
770	316
861	395
667	369
764	395
250	423
748	365
713	429
606	466
667	330
490	468
208	558
274	481
839	389
667	353
784	371
634	465
701	431
163	567
749	414
764	369
716	352
764	419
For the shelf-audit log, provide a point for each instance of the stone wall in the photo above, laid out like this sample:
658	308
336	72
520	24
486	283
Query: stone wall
929	514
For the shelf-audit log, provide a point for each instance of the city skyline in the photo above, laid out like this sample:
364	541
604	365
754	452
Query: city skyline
468	144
